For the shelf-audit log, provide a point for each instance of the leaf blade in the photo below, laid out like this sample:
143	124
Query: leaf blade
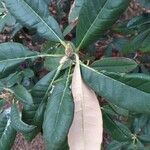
35	14
121	65
133	100
58	116
99	15
86	130
12	55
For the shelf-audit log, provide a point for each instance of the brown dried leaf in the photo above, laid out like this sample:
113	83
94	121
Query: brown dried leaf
87	127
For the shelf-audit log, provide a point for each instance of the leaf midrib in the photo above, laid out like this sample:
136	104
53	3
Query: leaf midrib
95	71
29	57
44	22
92	24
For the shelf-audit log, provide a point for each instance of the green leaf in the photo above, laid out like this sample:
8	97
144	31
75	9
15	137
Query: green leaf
35	113
144	138
138	21
7	20
116	92
96	17
115	110
29	73
115	145
35	14
22	94
8	134
11	80
117	130
58	116
17	123
139	42
75	10
136	146
120	65
138	80
51	63
12	55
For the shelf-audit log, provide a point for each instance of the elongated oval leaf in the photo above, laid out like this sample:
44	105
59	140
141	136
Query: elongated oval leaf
17	123
96	17
22	94
120	65
138	80
117	92
35	14
12	55
87	128
58	116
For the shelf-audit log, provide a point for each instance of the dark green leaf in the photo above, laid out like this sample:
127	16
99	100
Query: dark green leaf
136	146
138	21
11	80
120	65
115	110
116	92
58	116
22	94
97	16
12	55
35	14
144	138
140	42
51	63
115	145
117	130
138	80
35	113
28	73
17	123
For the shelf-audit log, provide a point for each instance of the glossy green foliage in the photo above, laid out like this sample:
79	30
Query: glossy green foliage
138	80
35	113
116	92
35	14
96	17
120	65
12	55
47	104
17	123
58	116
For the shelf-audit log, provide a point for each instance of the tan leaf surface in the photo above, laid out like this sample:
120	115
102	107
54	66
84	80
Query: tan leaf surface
87	127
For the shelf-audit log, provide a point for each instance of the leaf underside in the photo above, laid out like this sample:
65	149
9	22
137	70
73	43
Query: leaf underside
87	128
